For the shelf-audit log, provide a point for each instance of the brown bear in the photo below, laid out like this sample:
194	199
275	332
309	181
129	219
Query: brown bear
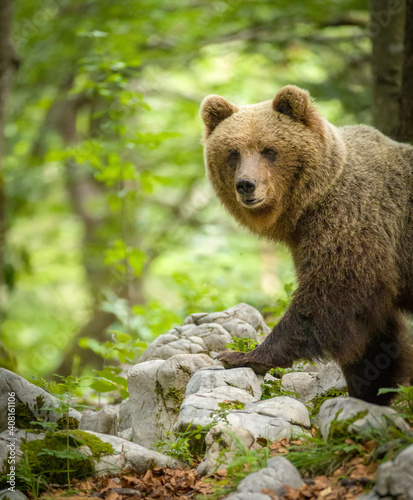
341	199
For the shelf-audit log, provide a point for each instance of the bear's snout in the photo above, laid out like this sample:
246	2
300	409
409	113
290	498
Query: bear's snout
245	186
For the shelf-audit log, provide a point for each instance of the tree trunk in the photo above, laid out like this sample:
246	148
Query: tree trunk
6	71
405	132
386	30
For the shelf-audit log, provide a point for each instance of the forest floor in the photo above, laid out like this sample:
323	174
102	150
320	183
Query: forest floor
346	483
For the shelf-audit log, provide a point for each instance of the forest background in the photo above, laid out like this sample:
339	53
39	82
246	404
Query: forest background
109	232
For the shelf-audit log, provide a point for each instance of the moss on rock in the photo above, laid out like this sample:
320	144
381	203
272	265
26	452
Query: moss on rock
65	422
25	417
51	456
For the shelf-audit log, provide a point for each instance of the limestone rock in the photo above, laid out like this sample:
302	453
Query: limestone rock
12	495
222	443
199	408
208	333
279	472
126	434
125	418
207	379
104	421
271	419
241	312
282	406
128	455
188	339
395	478
29	395
308	385
156	391
375	416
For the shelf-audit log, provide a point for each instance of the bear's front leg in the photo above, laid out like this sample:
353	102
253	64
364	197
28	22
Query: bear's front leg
293	338
251	360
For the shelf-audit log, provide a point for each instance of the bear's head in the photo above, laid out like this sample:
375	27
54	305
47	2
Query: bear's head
267	161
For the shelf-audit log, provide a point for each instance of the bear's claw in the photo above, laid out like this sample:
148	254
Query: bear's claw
242	359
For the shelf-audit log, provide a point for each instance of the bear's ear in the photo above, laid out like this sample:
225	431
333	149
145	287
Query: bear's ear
214	110
296	103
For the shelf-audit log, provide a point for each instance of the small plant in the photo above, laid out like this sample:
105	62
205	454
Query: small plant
316	456
273	388
315	404
403	402
122	347
66	389
186	446
34	483
244	462
243	344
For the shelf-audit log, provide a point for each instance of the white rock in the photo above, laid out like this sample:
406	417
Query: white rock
330	376
243	312
279	472
128	455
222	443
207	379
284	407
168	345
12	495
302	383
144	401
308	385
126	434
341	408
104	421
271	419
28	394
189	339
395	478
241	329
263	426
198	409
156	391
125	418
208	333
5	443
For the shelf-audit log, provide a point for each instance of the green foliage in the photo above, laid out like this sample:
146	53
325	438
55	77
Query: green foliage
272	388
403	402
116	198
55	459
122	347
243	344
315	404
29	478
317	456
187	445
244	461
282	303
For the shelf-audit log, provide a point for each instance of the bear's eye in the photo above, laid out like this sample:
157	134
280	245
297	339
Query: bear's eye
269	154
233	157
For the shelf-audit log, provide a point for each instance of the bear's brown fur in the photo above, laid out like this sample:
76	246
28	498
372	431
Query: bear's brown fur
342	200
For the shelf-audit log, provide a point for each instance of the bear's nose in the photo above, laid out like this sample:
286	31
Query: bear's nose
244	186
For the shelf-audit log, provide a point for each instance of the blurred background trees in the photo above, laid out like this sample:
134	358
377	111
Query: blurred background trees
109	226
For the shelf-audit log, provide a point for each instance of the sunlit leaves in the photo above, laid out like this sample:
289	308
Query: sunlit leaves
119	255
